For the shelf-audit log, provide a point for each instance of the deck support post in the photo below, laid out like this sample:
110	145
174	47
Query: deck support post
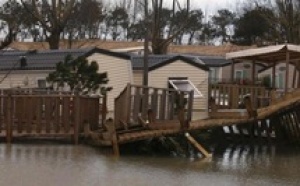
114	139
115	144
197	145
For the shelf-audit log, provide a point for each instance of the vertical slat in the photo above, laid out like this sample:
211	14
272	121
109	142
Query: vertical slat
57	114
66	113
39	108
19	113
154	99
77	119
163	105
29	110
48	114
172	103
136	104
9	119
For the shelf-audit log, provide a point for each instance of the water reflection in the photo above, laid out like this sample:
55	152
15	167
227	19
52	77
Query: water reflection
61	164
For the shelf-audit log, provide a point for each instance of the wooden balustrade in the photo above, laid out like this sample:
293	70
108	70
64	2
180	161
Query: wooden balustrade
231	96
48	114
149	104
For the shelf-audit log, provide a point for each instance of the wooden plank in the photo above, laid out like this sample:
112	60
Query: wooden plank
66	113
162	109
172	105
9	119
154	104
39	112
56	113
19	113
197	145
48	117
29	110
77	119
136	105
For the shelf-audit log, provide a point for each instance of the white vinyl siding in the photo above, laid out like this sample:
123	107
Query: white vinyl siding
160	76
119	72
22	79
138	77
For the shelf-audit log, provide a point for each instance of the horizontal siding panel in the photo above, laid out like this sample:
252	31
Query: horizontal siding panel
138	77
119	74
22	79
159	78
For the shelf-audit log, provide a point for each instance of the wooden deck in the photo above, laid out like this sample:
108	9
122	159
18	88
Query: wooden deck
281	117
143	113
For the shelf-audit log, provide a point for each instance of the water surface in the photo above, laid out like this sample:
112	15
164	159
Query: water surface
65	164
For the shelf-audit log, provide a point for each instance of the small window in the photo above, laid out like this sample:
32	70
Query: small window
185	85
41	83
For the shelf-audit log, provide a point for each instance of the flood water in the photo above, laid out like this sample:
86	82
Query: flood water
69	165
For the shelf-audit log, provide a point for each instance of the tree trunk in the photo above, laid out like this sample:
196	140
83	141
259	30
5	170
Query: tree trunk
159	46
53	40
191	38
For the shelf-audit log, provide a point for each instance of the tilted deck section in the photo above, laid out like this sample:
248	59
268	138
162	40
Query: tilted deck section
145	112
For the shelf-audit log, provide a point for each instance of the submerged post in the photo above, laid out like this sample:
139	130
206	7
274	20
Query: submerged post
197	145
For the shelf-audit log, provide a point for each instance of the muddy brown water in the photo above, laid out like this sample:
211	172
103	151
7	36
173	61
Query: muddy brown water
48	164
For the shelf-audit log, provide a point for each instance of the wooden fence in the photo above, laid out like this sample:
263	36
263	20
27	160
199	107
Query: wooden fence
47	114
136	103
231	96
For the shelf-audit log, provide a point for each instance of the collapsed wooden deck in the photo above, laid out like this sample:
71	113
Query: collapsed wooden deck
142	113
139	117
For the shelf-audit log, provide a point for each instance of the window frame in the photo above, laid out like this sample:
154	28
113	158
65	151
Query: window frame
197	93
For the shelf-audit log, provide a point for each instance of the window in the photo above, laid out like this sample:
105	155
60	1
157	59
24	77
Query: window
214	75
185	85
41	83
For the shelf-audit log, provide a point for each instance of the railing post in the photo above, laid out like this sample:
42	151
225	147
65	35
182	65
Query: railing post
235	96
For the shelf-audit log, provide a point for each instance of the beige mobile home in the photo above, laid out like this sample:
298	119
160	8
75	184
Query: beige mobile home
29	69
178	72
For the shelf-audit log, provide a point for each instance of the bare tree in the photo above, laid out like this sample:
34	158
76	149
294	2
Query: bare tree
159	43
52	16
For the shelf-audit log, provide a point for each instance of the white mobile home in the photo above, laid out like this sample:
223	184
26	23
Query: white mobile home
178	72
29	69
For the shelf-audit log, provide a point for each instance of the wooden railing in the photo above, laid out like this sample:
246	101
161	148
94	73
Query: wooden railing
231	96
138	104
42	114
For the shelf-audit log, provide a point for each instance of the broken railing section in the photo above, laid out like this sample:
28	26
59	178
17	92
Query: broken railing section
141	105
